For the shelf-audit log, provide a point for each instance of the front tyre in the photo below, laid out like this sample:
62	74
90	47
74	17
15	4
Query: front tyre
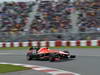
72	56
66	51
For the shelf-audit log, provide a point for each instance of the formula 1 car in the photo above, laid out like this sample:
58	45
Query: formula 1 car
48	54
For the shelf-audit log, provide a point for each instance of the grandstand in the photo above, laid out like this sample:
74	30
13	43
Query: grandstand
49	20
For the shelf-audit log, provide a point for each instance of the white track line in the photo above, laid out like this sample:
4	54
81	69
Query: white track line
49	70
5	53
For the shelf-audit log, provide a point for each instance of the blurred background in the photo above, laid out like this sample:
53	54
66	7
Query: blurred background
29	20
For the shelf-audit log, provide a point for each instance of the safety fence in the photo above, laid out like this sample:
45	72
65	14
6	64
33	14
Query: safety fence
26	36
57	43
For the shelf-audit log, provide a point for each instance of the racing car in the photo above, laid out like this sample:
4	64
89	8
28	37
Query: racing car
48	54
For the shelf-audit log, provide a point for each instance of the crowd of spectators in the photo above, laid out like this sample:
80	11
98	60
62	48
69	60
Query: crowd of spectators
53	17
14	15
89	17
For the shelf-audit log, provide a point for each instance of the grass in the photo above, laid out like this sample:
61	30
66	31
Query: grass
5	68
14	48
26	48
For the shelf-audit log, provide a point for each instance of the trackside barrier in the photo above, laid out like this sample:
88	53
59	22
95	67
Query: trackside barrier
47	43
68	43
57	43
20	44
98	43
3	44
78	43
12	44
30	44
89	43
38	43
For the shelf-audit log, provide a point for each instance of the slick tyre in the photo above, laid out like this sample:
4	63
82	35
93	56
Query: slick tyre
66	51
51	59
72	56
29	57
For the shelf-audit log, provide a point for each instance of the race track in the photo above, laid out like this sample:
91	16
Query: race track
86	63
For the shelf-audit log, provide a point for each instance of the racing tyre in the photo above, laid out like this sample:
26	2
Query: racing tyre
51	59
72	56
54	57
29	57
66	51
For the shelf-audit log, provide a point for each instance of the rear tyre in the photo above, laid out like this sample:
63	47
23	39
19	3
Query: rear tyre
29	57
51	59
54	57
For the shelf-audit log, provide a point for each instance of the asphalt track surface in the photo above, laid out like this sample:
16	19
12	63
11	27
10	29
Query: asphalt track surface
87	62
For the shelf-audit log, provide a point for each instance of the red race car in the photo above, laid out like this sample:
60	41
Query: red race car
48	54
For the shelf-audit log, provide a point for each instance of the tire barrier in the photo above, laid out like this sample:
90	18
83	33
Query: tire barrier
57	43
